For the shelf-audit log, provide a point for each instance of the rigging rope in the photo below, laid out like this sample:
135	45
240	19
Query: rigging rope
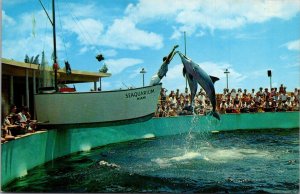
45	31
64	42
85	34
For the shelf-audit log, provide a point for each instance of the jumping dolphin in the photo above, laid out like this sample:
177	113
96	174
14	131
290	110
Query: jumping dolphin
196	75
164	68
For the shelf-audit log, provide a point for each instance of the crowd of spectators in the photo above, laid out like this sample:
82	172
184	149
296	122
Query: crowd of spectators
230	101
16	123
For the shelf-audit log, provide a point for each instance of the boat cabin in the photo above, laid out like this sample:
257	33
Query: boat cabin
20	82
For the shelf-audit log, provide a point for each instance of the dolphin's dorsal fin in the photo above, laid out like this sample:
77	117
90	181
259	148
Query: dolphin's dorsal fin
183	72
214	79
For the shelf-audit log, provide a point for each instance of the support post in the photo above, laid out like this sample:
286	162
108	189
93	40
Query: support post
34	82
95	86
34	92
11	97
185	55
100	82
27	89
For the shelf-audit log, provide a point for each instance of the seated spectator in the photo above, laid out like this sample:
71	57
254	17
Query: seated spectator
223	107
281	88
240	92
272	93
253	93
163	95
245	98
187	109
280	107
283	97
10	125
292	96
268	105
236	100
186	92
224	94
161	111
266	92
156	114
296	105
173	112
236	108
289	104
275	96
201	97
284	89
229	106
208	107
201	109
245	107
274	106
13	117
260	106
24	119
172	99
177	94
257	98
260	92
232	93
253	107
4	129
296	91
245	92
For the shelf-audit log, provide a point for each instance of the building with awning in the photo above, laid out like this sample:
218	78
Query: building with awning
20	82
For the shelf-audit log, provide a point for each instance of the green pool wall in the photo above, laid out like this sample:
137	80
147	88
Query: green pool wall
20	155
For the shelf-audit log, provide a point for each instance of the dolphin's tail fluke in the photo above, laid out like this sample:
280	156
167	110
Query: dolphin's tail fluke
215	114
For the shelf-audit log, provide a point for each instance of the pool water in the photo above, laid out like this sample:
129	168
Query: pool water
264	161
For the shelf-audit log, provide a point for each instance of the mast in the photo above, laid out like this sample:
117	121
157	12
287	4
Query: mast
55	65
185	55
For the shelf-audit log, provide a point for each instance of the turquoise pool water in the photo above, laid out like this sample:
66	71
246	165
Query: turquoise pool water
264	161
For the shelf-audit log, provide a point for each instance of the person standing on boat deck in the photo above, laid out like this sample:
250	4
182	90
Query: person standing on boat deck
164	68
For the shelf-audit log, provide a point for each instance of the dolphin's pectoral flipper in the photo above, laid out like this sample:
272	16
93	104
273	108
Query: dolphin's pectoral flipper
214	79
193	87
183	71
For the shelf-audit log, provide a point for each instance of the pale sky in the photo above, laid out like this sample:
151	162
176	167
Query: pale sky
247	37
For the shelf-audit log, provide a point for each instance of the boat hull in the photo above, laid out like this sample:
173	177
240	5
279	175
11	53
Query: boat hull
97	108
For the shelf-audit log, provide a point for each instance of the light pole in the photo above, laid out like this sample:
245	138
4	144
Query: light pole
226	72
143	71
185	55
270	76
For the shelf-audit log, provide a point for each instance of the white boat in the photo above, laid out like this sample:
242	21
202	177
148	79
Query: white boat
97	108
77	109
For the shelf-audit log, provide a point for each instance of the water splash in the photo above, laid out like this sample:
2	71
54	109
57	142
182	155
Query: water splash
110	165
148	136
85	147
184	158
189	156
222	155
195	133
